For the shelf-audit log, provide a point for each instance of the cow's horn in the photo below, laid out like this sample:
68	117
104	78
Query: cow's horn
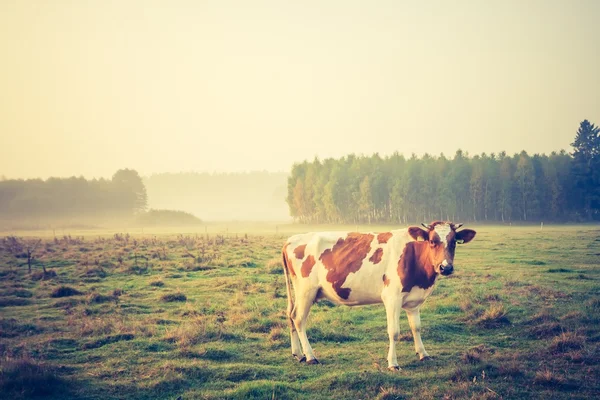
458	226
426	226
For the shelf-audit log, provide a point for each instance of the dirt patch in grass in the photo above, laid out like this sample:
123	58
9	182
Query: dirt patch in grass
64	291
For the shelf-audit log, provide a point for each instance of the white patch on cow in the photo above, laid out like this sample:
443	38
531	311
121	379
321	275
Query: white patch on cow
443	230
415	297
445	263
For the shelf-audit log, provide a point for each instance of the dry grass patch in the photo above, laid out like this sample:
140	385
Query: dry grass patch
494	316
201	329
544	330
550	378
476	354
274	266
567	341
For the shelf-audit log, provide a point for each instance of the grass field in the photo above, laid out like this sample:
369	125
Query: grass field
144	316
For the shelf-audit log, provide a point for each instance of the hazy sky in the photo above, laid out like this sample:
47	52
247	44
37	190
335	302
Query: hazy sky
87	87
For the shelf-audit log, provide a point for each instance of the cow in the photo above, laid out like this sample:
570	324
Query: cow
397	268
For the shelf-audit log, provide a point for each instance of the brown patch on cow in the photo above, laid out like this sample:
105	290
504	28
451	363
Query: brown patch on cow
386	280
288	261
344	258
307	266
299	251
376	257
384	237
415	268
418	233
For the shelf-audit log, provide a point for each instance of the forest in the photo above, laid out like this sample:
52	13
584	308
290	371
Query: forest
559	187
75	200
123	199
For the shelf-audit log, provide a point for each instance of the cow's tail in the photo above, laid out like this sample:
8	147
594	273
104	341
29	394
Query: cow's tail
288	285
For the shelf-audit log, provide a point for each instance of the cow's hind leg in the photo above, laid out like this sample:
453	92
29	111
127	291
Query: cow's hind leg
296	347
392	310
414	320
300	315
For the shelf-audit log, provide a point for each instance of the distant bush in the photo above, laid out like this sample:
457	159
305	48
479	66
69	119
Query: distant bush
64	291
167	218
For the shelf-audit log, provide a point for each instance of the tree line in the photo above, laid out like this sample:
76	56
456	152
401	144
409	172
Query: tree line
68	198
486	187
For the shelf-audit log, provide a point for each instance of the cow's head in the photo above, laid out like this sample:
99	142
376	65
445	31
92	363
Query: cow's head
442	238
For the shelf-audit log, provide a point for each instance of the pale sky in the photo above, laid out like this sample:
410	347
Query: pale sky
88	87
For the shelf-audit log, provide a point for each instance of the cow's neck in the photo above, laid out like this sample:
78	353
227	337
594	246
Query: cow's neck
424	264
415	267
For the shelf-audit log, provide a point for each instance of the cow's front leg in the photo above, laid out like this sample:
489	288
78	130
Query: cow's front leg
392	310
414	320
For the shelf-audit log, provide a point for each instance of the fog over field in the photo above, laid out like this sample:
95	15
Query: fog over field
90	87
254	196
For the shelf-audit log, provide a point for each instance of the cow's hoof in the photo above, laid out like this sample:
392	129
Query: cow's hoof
303	359
426	358
314	361
394	368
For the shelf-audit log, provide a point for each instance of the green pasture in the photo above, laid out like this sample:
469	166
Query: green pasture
200	314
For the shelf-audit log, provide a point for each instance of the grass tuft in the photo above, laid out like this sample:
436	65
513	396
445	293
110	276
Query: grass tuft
157	283
173	297
392	393
494	316
64	291
99	298
567	341
28	378
549	378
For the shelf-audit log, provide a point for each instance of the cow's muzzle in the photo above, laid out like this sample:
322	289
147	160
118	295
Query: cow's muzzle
446	270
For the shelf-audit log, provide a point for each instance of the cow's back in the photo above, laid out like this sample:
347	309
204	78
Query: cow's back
345	267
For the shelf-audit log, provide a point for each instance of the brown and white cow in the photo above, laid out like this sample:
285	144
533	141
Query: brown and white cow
396	268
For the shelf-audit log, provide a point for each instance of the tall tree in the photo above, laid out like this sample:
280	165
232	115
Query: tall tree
130	191
525	178
586	168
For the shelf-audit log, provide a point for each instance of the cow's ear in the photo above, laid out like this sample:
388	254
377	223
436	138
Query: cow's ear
465	236
418	233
